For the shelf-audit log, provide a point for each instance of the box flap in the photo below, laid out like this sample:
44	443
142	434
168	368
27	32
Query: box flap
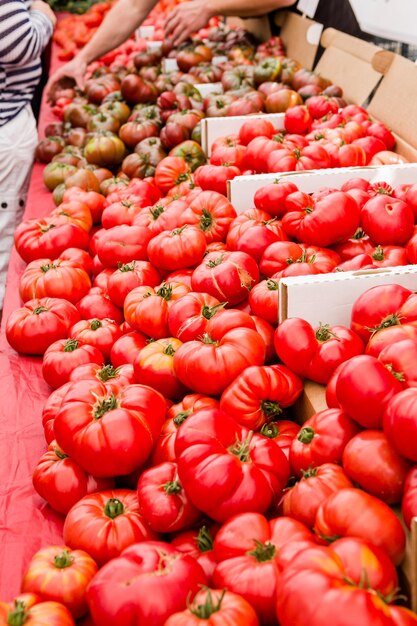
395	101
347	61
300	35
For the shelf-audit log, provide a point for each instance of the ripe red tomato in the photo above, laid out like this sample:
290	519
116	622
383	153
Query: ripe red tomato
121	244
316	484
32	328
215	177
62	575
315	352
128	276
170	172
189	316
255	128
126	348
253	231
163	502
48	238
242	471
259	394
322	439
227	276
153	581
55	279
30	610
215	607
387	221
263	300
400	423
99	333
298	119
354	513
199	545
177	249
393	335
63	356
61	482
109	433
385	476
96	304
105	523
271	198
154	366
212	213
112	378
287	258
164	449
363	389
246	548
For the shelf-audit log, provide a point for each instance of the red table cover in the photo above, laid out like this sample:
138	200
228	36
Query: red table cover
26	522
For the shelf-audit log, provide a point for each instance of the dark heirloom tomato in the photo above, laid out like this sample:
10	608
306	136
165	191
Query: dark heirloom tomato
32	328
108	433
315	353
301	502
215	607
146	584
61	482
259	394
247	550
164	449
225	469
354	513
105	523
322	439
163	502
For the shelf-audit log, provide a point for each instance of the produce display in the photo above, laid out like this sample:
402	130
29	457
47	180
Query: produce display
188	489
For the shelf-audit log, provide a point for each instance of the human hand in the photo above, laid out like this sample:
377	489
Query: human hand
43	7
74	69
185	19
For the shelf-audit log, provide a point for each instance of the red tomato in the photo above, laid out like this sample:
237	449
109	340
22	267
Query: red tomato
32	328
253	231
188	317
209	365
322	439
108	433
302	501
281	432
389	256
199	545
55	279
164	449
128	276
48	238
30	610
227	276
263	300
153	580
100	334
259	394
63	356
298	120
106	523
387	221
181	248
321	222
122	212
121	244
385	476
126	348
399	357
271	198
319	571
246	548
409	501
312	157
154	366
215	177
212	213
255	128
354	513
163	503
165	215
97	303
287	258
225	469
389	336
62	575
170	172
363	389
112	378
215	607
400	423
315	353
147	309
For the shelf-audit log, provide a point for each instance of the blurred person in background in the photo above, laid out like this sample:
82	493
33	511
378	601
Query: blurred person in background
25	29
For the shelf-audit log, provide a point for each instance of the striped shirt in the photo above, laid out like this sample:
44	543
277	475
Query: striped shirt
23	36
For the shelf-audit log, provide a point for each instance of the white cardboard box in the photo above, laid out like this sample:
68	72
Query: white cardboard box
214	127
206	89
169	65
145	32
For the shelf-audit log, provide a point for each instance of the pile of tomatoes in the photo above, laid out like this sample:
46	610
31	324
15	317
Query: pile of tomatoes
190	493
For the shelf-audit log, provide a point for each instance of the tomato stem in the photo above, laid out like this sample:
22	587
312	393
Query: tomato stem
204	539
204	611
95	324
263	551
61	455
104	406
306	434
126	267
114	508
169	350
309	473
18	616
64	559
241	449
391	320
323	333
108	372
379	254
165	291
39	309
71	345
272	285
49	266
270	430
209	311
178	231
270	409
216	262
181	417
206	220
172	487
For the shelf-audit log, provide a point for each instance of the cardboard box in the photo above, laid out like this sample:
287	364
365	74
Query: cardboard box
145	32
214	127
242	189
310	402
207	88
169	65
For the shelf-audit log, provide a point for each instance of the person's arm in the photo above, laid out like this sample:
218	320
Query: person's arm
118	25
24	34
189	17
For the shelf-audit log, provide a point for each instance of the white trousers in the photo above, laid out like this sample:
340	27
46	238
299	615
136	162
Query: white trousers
18	139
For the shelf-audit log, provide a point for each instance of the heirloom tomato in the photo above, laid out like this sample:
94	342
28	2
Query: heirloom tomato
126	348
177	249
109	433
166	214
253	231
212	213
105	523
215	177
198	543
163	502
121	244
146	584
32	328
215	607
30	610
61	482
263	300
170	172
48	238
188	317
54	279
393	335
354	513
287	258
225	469
259	394
400	357
63	356
122	212
60	574
400	423
310	157
128	276
111	377
321	439
100	334
315	352
281	432
271	198
387	221
97	303
154	366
